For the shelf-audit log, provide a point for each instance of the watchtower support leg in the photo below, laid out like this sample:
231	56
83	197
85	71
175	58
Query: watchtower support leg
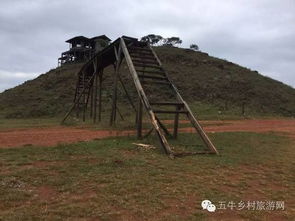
139	120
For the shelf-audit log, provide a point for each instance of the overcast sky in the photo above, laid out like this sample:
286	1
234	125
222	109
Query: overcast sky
259	34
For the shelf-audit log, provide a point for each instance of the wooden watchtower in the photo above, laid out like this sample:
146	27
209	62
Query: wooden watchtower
146	70
81	48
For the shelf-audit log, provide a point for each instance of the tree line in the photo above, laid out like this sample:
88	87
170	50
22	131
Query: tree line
158	40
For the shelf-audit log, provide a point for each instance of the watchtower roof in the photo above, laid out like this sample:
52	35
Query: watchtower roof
78	38
104	37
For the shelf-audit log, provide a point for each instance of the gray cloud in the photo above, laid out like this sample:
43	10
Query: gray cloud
256	34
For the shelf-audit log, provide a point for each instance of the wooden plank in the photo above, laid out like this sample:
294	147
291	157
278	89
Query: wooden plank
143	57
155	82
141	53
115	87
95	99
167	104
146	66
176	121
148	62
133	48
139	120
84	98
152	77
91	101
170	112
162	73
100	97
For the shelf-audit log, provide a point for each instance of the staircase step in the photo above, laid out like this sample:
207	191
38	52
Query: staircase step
155	82
147	66
169	112
151	72
141	53
152	77
145	62
143	57
139	49
167	104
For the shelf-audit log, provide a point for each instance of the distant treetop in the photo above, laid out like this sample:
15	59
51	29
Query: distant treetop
158	40
194	47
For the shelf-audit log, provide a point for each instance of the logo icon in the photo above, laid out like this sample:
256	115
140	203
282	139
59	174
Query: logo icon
208	205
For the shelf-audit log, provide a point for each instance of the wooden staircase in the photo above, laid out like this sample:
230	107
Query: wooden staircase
83	89
146	69
150	80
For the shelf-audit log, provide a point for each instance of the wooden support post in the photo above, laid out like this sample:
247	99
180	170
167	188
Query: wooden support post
115	88
119	112
77	106
176	121
139	120
100	96
84	98
95	98
91	101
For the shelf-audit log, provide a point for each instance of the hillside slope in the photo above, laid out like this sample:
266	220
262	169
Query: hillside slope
198	76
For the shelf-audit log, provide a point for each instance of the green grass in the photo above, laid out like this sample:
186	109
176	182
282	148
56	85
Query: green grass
7	124
203	111
112	179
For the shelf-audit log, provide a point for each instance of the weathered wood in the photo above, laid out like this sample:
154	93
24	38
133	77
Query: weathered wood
91	102
176	120
100	96
84	98
167	104
146	66
95	98
140	52
115	86
190	115
143	56
139	120
170	112
161	73
152	77
155	82
144	99
133	48
149	62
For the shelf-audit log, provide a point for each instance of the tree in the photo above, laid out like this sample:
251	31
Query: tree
172	41
194	47
152	39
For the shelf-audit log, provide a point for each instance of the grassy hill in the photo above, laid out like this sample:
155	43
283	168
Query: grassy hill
209	84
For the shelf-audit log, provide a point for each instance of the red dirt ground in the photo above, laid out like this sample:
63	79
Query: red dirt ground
56	135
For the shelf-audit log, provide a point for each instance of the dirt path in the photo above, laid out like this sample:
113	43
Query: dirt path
56	135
